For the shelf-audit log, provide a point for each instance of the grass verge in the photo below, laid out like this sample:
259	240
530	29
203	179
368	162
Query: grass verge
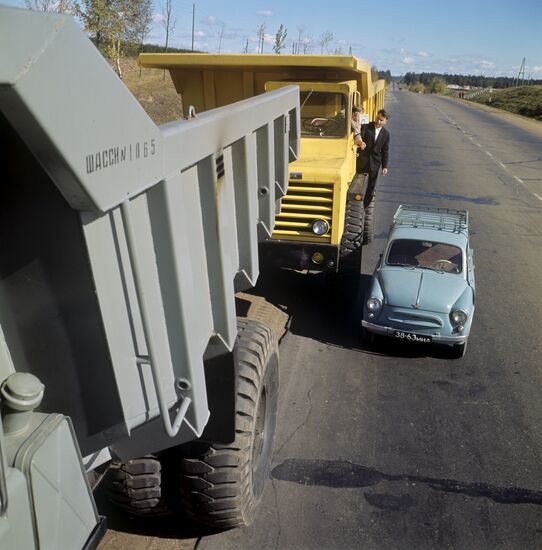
154	90
523	100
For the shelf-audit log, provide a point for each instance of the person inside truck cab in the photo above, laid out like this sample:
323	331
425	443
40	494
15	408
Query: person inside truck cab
359	118
356	121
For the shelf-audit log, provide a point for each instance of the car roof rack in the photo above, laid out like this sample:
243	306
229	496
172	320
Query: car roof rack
431	217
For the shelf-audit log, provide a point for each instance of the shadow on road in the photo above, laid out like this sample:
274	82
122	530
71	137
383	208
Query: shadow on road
322	306
170	527
328	308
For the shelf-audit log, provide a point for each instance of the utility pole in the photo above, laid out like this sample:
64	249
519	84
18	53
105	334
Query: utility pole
521	73
193	19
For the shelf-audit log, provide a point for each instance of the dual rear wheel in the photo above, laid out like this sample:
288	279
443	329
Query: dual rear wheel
219	485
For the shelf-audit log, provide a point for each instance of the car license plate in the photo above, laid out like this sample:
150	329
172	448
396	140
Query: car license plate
411	337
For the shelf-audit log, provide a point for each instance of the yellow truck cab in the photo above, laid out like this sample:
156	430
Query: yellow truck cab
322	219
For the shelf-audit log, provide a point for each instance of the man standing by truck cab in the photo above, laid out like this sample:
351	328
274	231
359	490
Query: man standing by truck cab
373	142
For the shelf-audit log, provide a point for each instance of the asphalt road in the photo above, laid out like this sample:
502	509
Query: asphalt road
401	446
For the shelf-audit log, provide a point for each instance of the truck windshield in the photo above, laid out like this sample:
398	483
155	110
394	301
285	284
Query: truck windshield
425	254
323	114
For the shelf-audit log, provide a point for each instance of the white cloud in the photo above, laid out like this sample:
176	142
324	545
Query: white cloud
210	20
200	34
536	69
408	60
424	54
485	64
265	13
157	17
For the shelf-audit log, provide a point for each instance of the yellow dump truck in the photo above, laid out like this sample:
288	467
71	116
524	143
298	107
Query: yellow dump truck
322	223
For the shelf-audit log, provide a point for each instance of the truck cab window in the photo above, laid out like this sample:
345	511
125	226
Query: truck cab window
323	114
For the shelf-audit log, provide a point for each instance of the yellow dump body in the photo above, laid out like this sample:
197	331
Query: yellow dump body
320	178
207	81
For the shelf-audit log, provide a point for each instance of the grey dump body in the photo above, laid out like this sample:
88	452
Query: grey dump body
122	246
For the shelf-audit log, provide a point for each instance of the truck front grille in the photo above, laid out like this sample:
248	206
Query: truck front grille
304	203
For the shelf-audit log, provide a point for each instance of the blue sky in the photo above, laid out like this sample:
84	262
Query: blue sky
460	36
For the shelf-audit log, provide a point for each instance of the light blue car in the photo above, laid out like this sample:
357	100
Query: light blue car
423	289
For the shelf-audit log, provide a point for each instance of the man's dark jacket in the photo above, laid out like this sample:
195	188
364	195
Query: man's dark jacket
375	154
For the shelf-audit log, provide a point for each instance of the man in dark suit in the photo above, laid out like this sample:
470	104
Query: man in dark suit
373	142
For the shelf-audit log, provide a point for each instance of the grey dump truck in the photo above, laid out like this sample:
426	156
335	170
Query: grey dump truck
122	247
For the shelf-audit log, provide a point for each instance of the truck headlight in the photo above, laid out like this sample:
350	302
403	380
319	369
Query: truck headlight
320	227
374	304
458	317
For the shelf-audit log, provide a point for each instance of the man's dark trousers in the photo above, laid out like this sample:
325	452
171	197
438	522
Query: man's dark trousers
371	188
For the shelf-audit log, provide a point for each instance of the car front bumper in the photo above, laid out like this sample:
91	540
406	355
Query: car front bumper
438	338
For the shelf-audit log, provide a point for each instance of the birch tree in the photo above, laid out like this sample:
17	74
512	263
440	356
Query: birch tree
220	35
142	21
300	33
112	23
307	44
324	41
55	6
168	20
280	39
261	37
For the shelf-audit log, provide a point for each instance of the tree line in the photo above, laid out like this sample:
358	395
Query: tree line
479	81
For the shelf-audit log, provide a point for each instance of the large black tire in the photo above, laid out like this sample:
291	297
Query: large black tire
352	239
135	486
369	223
221	485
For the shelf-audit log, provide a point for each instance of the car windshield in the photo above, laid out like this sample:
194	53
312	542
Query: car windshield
323	114
425	254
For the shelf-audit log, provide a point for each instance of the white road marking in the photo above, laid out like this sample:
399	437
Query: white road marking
504	167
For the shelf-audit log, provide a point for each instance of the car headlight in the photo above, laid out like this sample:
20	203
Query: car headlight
320	227
374	304
458	317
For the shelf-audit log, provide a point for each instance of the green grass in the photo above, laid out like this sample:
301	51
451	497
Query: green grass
523	100
156	94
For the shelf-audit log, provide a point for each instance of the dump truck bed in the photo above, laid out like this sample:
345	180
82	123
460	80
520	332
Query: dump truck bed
207	81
